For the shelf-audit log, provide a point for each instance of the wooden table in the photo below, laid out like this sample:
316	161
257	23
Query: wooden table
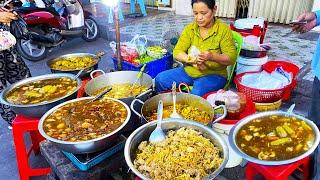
64	169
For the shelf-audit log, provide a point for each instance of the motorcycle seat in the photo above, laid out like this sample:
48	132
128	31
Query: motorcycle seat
35	9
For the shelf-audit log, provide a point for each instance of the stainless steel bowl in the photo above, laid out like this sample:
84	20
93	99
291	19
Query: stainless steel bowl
37	110
82	147
234	131
143	133
86	72
183	98
120	77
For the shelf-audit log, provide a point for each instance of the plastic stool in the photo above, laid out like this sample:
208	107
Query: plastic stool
141	4
278	172
81	91
21	125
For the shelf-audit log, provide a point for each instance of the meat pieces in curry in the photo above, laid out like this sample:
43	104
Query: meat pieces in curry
41	91
184	154
275	138
79	121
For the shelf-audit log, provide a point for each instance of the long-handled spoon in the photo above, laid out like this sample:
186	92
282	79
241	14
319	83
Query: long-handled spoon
174	114
157	134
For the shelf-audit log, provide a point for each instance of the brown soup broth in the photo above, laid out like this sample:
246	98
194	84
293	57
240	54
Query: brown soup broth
79	121
275	138
41	91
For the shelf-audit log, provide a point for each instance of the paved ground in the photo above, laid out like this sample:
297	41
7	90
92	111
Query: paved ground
297	48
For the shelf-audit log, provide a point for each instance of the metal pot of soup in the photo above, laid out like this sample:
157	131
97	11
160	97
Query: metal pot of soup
34	96
73	63
191	150
79	126
122	84
274	138
189	106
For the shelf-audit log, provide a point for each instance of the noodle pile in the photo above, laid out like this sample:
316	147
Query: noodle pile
185	154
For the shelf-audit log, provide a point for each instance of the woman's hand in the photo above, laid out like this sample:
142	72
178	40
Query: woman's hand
7	17
311	19
204	56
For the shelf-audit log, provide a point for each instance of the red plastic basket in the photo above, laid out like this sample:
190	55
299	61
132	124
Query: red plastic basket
287	66
259	95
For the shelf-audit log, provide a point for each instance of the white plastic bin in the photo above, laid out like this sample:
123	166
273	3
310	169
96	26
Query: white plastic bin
250	64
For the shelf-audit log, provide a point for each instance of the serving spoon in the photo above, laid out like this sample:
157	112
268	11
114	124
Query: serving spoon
97	97
174	114
78	74
157	134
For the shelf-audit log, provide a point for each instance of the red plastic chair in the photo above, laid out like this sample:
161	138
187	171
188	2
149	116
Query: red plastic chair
256	31
22	125
281	172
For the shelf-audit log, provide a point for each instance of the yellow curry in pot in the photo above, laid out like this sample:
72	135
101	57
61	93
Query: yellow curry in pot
73	63
275	138
120	91
41	91
81	121
185	110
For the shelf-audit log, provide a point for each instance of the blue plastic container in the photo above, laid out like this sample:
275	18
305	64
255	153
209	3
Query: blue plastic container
153	68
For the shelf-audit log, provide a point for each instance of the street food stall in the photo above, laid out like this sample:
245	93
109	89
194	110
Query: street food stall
95	123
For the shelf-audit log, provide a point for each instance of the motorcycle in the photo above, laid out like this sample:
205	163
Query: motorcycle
49	28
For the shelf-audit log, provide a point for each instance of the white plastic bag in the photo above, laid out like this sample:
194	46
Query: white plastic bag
194	52
7	40
266	81
140	43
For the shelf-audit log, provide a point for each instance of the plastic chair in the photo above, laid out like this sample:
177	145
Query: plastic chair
141	4
230	69
281	172
239	40
22	125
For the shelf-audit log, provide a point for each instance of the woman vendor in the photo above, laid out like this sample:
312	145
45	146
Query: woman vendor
206	47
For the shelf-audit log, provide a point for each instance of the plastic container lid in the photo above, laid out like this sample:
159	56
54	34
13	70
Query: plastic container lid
249	23
252	61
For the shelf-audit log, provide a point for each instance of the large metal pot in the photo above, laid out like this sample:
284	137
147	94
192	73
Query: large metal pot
82	147
86	72
119	77
37	110
183	98
143	133
234	131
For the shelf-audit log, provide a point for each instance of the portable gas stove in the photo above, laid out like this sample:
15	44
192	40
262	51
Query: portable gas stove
86	161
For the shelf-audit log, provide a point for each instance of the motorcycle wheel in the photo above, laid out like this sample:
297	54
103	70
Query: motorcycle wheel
92	31
32	52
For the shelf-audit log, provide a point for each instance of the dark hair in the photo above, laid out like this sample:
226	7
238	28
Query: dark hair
210	3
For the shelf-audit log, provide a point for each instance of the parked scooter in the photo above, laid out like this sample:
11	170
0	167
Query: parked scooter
49	28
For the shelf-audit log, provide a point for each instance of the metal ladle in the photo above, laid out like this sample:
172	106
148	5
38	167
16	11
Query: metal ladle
78	74
97	97
157	134
174	114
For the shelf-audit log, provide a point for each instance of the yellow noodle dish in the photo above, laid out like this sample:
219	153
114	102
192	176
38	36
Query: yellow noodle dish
184	154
